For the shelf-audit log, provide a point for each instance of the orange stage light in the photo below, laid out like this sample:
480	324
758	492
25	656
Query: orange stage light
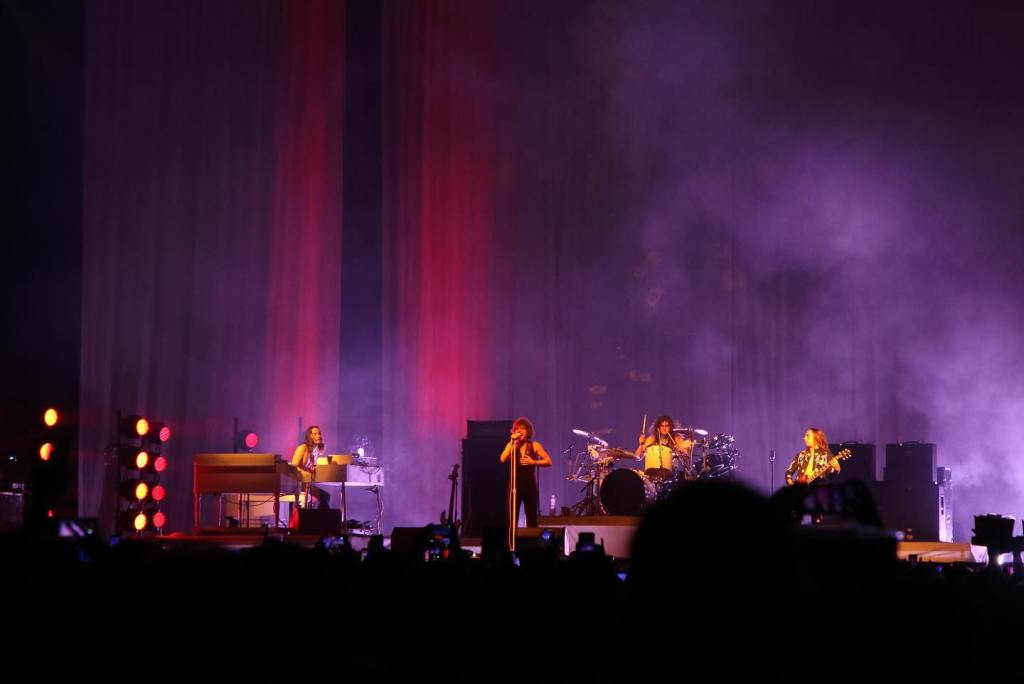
50	417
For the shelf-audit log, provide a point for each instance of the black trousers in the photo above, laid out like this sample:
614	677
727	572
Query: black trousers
528	494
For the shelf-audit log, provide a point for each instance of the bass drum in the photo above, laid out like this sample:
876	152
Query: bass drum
626	492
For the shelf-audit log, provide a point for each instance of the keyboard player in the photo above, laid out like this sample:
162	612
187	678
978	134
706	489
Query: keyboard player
304	459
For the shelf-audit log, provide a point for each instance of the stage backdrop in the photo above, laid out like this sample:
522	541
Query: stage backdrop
751	217
212	226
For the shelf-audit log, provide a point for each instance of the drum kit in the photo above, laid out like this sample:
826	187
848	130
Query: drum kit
626	490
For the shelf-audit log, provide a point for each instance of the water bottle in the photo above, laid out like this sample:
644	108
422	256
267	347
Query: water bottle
552	509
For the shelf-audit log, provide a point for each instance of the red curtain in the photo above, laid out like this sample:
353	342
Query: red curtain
305	246
438	223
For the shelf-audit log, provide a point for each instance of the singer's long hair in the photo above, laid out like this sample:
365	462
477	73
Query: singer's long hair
308	439
526	424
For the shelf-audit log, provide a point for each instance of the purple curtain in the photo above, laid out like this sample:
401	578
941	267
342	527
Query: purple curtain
753	218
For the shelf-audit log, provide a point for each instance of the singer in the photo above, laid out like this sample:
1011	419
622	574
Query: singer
529	455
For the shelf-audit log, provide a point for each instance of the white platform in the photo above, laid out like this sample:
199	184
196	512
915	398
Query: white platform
942	552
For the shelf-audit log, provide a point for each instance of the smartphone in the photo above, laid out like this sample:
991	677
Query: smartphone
439	542
585	542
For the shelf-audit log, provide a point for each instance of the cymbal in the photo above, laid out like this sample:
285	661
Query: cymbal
616	453
691	430
590	436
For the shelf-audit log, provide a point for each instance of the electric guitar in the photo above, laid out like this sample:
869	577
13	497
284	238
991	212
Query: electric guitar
804	478
450	519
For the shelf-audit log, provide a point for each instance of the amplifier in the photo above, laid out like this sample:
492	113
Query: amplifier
910	463
325	522
860	465
12	511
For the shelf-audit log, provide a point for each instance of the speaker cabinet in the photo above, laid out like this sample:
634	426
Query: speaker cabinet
324	522
910	463
921	511
484	478
861	465
12	511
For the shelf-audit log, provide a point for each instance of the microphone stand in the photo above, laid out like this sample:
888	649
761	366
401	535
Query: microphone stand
513	507
309	487
771	459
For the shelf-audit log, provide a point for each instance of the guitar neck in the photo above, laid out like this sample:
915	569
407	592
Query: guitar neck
451	499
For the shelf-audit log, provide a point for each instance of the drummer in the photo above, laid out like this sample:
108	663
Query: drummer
660	446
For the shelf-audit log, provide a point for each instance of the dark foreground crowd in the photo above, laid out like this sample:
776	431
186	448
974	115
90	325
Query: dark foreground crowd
722	585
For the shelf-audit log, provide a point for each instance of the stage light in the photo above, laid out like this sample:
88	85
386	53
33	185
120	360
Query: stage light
246	440
133	426
158	433
134	458
54	442
140	465
140	519
133	490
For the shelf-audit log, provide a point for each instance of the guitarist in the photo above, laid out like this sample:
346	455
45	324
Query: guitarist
813	462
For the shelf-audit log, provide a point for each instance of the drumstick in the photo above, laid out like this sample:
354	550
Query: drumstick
643	430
